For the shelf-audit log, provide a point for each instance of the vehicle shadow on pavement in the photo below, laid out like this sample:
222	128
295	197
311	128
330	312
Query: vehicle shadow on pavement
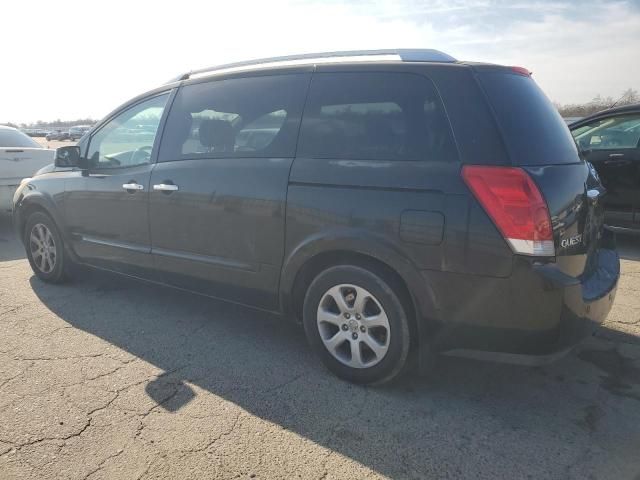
467	417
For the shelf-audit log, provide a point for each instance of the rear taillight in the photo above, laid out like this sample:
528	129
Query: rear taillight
515	204
521	71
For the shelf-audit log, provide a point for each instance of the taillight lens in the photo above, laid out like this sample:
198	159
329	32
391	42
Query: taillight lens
521	71
515	204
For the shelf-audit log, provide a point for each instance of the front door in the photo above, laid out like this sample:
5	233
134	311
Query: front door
107	205
217	204
612	146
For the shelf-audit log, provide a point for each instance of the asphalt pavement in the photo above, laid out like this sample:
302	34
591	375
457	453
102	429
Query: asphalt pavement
112	378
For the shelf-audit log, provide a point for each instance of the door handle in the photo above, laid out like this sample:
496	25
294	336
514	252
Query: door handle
132	186
616	155
165	187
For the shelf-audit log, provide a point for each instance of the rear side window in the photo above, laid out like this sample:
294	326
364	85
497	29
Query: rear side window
533	130
375	116
243	117
10	138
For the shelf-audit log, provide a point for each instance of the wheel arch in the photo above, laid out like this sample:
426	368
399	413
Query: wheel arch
31	203
367	251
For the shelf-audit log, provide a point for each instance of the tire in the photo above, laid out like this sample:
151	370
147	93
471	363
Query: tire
45	251
352	339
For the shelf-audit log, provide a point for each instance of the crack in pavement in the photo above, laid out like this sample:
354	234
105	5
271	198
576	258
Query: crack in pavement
19	374
71	357
236	422
103	462
89	415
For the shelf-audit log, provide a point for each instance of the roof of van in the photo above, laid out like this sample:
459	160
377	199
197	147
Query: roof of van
347	56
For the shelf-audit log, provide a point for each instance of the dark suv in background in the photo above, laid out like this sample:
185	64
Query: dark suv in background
610	140
76	133
397	203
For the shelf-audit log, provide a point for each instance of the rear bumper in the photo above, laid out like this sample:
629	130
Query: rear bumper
531	318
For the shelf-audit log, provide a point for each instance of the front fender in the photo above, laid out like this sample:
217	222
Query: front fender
28	199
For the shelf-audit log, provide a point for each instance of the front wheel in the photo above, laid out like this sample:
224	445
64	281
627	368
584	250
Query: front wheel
45	249
357	324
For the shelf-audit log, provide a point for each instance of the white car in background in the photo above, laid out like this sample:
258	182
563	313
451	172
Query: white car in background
20	157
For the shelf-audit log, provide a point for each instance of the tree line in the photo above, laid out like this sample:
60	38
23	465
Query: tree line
628	97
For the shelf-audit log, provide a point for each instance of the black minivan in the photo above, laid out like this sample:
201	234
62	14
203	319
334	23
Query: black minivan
397	203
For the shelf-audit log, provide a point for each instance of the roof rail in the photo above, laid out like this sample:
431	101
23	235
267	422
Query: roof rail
402	54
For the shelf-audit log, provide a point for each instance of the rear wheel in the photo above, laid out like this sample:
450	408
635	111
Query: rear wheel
357	324
45	249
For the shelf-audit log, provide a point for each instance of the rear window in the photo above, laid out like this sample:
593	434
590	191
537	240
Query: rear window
534	132
10	138
375	116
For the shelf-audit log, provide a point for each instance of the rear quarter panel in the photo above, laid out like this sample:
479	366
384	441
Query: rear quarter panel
414	216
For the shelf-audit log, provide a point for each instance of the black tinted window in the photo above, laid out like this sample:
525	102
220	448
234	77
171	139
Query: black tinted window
243	117
375	116
533	130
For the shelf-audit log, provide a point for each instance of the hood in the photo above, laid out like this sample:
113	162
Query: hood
46	169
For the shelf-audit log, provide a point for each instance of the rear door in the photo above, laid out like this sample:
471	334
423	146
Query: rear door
219	189
106	207
611	144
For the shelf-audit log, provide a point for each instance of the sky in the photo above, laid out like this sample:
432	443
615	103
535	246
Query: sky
76	59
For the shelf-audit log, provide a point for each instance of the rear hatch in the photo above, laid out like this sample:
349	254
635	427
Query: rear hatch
538	141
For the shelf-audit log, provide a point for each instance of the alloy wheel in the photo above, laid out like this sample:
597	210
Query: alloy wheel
43	248
353	326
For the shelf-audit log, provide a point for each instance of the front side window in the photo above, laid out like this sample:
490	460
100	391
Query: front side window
242	117
375	116
611	133
127	140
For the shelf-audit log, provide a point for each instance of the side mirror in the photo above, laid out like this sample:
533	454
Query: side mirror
68	156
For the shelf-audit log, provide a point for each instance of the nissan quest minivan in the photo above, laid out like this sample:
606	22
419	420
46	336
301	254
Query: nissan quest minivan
396	203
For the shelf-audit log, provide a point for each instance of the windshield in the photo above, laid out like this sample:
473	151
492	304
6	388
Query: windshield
10	138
